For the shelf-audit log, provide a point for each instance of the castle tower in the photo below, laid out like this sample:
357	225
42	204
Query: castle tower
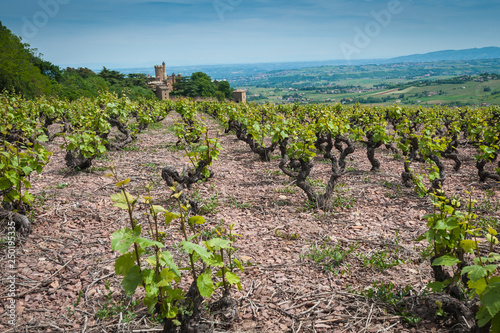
161	72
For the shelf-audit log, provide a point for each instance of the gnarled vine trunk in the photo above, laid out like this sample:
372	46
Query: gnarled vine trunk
463	312
451	153
259	149
483	174
438	182
121	140
406	176
184	181
370	151
324	200
191	318
21	222
75	160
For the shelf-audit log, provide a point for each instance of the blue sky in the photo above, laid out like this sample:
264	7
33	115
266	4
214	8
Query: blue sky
136	33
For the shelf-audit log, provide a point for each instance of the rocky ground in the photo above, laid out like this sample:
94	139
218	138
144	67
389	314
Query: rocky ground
65	273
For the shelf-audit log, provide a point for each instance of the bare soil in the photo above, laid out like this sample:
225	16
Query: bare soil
64	264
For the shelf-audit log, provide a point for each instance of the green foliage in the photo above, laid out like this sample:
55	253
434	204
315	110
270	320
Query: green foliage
17	162
74	85
386	292
132	148
307	206
189	129
18	73
224	88
146	263
486	223
21	149
193	137
208	205
380	260
316	182
87	143
112	77
340	200
201	85
112	308
454	237
329	256
489	205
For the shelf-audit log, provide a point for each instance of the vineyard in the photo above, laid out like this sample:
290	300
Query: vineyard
142	216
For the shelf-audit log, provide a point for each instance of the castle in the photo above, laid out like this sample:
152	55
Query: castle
162	84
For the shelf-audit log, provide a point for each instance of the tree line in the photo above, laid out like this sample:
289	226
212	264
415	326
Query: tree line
23	71
200	84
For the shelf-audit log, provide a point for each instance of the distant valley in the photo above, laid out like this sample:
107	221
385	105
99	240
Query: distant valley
430	78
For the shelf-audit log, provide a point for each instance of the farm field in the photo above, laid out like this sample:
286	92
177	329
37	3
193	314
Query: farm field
469	93
366	84
305	269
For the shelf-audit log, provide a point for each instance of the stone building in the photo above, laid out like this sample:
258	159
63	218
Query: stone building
162	84
162	92
240	96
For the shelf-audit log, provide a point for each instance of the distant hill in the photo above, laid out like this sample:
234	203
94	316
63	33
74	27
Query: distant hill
453	55
241	73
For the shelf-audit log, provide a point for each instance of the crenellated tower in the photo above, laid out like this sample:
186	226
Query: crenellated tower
162	84
161	72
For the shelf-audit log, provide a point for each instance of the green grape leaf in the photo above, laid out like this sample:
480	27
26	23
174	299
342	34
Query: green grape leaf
123	264
232	278
238	264
468	245
196	220
449	223
158	209
436	286
123	182
148	276
492	257
166	258
478	285
447	260
215	244
167	275
122	239
205	283
120	200
150	301
475	272
190	247
132	280
144	242
152	289
4	184
495	323
169	217
491	239
216	260
490	298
